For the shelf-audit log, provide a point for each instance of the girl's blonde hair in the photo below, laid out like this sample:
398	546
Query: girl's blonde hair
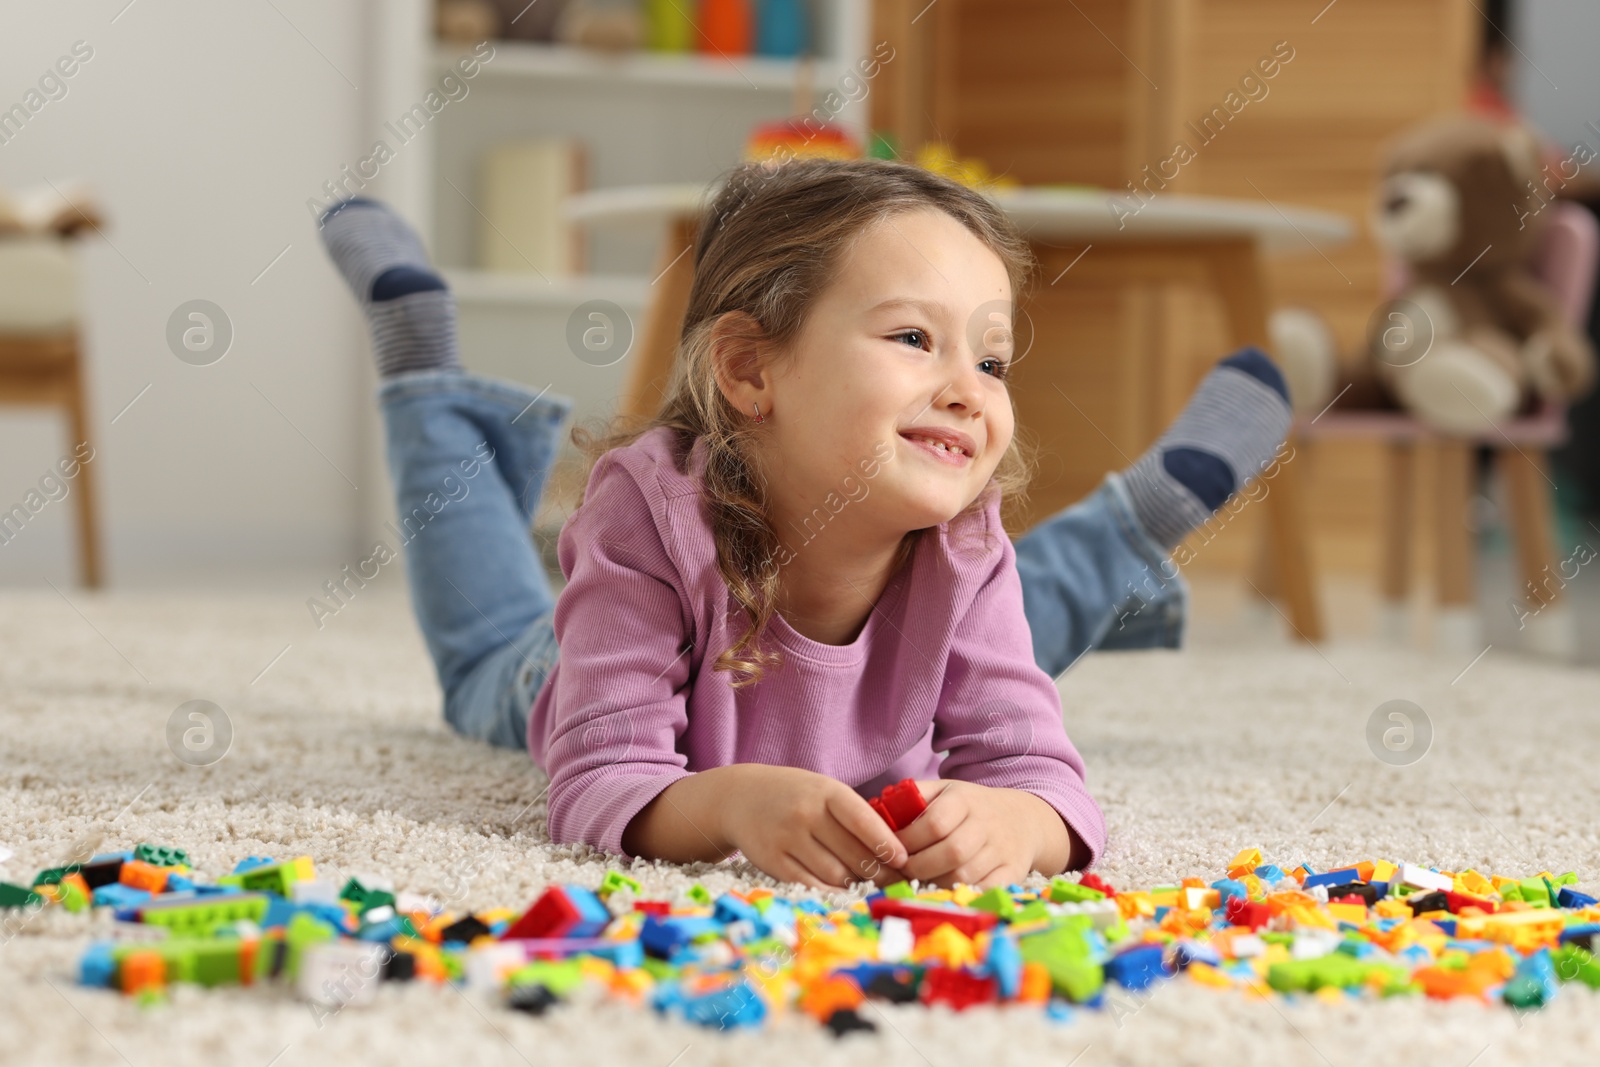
769	245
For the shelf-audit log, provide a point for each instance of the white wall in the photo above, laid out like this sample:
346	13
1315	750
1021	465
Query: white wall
204	127
1556	79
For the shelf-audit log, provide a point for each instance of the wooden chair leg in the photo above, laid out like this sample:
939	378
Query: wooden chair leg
1456	620
656	346
1399	518
88	503
1531	508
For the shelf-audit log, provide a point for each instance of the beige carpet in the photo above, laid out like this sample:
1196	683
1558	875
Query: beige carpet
339	753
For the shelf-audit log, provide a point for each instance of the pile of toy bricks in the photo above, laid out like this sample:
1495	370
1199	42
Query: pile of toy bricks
1367	930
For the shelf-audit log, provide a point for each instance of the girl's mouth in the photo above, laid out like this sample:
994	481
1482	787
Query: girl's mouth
951	456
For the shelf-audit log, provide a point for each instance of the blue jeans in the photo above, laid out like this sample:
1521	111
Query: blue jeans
469	457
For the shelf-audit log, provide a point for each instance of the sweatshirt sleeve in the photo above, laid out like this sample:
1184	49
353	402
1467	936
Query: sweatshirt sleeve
999	715
625	635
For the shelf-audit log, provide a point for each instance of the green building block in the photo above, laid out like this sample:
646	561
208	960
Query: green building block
561	977
899	891
301	932
73	898
216	961
17	896
657	968
700	895
865	923
161	856
272	877
1335	970
1064	954
365	899
201	916
1536	891
1574	963
1031	912
613	881
997	901
1065	892
53	875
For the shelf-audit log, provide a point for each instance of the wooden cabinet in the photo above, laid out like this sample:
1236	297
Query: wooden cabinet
1275	100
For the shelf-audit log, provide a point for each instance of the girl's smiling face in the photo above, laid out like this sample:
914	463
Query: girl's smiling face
908	349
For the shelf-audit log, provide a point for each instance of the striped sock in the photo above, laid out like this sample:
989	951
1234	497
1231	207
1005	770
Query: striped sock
408	307
1229	433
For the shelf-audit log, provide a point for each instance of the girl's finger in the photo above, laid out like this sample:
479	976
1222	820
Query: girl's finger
795	870
870	831
945	855
947	809
821	861
862	864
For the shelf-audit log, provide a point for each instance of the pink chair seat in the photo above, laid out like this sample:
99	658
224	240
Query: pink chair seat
1566	263
1544	428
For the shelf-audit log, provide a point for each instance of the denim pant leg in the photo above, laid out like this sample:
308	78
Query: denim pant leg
469	457
1092	578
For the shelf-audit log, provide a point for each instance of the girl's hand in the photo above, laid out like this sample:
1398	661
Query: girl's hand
800	826
984	836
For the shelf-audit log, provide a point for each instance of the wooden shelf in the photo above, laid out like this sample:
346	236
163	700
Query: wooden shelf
515	60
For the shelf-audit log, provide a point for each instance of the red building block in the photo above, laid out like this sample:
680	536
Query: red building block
1252	913
1093	881
563	911
958	988
900	804
924	917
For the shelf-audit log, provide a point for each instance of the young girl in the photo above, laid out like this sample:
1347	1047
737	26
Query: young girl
792	587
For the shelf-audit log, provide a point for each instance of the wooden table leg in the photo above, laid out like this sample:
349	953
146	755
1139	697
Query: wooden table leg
657	345
1238	279
88	505
1453	563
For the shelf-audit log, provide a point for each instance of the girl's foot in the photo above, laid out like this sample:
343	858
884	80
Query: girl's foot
408	307
1227	435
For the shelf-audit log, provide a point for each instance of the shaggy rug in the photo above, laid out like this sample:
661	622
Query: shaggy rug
338	752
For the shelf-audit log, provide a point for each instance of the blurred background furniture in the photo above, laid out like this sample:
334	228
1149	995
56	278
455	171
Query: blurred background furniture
1097	91
1566	263
41	362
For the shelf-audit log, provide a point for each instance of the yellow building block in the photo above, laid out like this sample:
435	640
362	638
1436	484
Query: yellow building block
1383	871
1350	913
946	944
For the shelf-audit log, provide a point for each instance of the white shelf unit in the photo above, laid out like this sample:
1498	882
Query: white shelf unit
645	118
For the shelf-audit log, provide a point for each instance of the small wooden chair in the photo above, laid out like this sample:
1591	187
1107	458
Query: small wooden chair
41	362
1566	263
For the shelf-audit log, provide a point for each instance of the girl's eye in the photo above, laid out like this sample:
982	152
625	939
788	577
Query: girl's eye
1001	368
920	338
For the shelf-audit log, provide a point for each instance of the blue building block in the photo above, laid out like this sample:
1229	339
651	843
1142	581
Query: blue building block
98	967
177	883
1136	968
1058	1011
624	955
661	937
117	895
1227	888
1270	873
1568	897
815	907
1339	877
250	863
1004	963
737	1005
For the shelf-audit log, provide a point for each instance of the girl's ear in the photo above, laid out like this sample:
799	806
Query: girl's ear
738	354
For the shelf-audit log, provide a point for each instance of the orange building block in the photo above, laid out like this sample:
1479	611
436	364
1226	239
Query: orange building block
140	971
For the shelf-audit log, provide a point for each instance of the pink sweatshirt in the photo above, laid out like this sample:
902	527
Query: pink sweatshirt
941	682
